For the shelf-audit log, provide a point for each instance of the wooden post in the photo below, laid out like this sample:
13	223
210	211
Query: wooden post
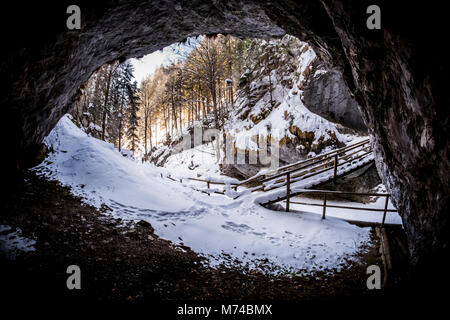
385	210
335	166
324	205
288	190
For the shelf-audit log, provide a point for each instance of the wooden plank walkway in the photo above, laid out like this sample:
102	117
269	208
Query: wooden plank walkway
332	159
287	182
335	164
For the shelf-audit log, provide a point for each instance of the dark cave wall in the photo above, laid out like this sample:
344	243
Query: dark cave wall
395	75
46	64
399	83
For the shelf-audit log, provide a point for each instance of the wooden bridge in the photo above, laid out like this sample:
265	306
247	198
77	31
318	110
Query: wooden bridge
331	161
287	182
291	180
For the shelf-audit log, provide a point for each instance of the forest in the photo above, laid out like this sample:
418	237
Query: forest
201	88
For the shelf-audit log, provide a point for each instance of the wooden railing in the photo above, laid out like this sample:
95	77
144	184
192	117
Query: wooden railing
306	169
329	159
208	183
300	170
325	193
323	163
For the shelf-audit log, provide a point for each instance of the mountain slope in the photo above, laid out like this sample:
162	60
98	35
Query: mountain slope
269	105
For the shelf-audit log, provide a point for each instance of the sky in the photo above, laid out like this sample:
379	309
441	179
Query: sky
148	64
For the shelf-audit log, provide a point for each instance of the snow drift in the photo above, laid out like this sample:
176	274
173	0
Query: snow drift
214	226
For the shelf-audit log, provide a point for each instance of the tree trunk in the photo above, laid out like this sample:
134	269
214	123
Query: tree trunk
105	106
145	130
270	89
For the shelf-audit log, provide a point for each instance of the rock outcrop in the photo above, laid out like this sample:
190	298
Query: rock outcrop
269	106
327	94
395	75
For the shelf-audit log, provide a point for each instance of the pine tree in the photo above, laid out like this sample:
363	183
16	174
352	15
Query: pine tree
133	119
124	82
201	88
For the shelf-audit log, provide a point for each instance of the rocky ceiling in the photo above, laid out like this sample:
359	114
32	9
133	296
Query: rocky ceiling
397	75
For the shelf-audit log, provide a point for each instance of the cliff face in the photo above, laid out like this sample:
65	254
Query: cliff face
327	94
397	82
269	106
396	79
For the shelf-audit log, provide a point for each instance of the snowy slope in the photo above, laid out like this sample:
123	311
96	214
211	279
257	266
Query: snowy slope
294	61
211	225
96	170
199	162
177	52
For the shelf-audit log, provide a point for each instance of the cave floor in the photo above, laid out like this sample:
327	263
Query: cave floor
127	261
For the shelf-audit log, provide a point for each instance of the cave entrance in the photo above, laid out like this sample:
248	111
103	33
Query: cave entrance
248	92
393	77
252	91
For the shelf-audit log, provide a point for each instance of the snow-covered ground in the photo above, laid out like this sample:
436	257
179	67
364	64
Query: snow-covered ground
145	66
199	162
12	242
213	225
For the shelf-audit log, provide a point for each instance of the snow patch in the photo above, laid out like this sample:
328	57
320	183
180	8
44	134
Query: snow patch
12	243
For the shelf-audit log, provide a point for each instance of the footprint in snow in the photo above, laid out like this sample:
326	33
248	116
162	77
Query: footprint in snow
241	228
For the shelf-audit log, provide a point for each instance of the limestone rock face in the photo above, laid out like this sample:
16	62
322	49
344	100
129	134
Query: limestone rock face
270	108
394	73
327	95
